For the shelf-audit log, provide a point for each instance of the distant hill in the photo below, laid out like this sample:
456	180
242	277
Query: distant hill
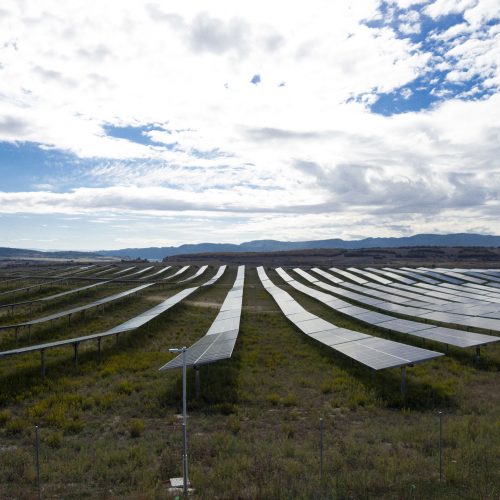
445	240
20	253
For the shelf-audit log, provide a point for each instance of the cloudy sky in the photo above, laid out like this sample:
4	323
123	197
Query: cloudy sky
143	123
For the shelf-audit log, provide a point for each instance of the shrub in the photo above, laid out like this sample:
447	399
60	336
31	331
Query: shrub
5	416
290	400
125	387
234	424
54	440
136	428
16	426
273	398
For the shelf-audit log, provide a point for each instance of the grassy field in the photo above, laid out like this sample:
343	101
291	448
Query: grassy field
112	428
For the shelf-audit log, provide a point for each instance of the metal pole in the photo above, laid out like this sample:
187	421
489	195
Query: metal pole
99	349
42	363
184	423
37	460
321	450
440	446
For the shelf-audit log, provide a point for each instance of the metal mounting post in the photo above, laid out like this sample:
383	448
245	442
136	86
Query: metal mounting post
75	355
99	348
42	362
184	423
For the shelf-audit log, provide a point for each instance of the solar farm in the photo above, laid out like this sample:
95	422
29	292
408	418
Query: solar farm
301	382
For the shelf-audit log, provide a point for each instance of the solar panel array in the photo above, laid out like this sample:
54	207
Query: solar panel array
128	325
453	299
78	309
218	343
217	275
30	287
374	352
157	273
200	271
180	271
459	338
124	270
55	296
457	307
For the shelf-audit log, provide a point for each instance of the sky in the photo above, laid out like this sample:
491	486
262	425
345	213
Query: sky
135	124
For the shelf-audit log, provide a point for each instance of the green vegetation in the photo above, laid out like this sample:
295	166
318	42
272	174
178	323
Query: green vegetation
112	428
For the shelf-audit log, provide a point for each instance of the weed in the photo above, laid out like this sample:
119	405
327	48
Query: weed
289	400
136	428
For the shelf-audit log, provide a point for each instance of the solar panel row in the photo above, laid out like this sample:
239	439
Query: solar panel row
373	352
219	341
180	271
74	310
31	287
200	271
55	296
459	338
128	325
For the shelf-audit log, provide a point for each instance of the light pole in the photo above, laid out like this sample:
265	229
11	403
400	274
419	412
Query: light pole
184	418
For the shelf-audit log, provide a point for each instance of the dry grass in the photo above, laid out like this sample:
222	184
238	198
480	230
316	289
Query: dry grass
112	429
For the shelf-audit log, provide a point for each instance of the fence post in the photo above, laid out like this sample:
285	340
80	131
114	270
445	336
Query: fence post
37	461
440	446
321	450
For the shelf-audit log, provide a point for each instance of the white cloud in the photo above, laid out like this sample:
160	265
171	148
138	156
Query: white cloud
226	148
410	22
441	8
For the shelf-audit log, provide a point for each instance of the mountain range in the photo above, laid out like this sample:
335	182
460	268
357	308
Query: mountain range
450	240
159	253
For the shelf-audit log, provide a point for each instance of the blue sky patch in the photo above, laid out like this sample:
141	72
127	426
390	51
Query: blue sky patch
255	79
431	87
36	167
133	134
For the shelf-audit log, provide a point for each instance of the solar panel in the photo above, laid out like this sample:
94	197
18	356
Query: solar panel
348	275
400	325
218	343
78	309
218	274
438	276
124	270
30	287
326	275
128	325
161	271
370	275
141	271
377	355
200	271
461	276
408	272
180	271
106	269
56	296
389	274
